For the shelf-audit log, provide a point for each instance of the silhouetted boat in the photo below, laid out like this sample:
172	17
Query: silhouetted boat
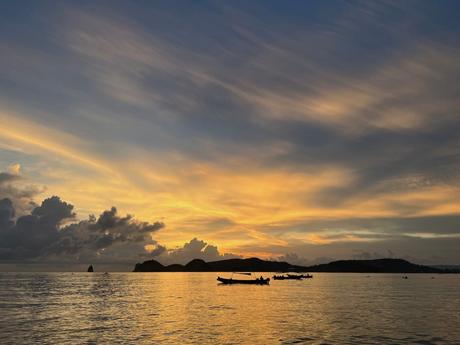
292	277
307	276
287	277
90	268
257	281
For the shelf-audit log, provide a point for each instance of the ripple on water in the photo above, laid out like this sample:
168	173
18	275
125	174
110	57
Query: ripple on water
131	308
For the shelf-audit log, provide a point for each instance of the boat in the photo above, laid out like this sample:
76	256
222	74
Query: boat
292	276
287	277
257	281
90	268
307	276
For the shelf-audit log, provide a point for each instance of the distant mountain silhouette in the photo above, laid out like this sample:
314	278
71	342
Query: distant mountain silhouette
374	266
449	268
230	265
258	265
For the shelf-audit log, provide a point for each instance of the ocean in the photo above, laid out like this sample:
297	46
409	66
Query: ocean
191	308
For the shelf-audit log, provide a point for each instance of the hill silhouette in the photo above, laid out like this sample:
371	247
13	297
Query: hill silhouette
230	265
258	265
374	266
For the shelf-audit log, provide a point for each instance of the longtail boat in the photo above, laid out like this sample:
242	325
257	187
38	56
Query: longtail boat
287	277
257	281
307	275
292	276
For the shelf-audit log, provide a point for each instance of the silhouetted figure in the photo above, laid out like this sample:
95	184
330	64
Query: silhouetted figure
90	268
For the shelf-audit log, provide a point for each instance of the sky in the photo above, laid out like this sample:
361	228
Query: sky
304	131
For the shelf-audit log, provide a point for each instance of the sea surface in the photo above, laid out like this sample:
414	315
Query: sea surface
183	308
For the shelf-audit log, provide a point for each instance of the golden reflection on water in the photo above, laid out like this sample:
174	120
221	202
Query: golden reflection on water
146	308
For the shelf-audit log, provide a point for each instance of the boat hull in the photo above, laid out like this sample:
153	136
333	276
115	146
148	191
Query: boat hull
292	277
229	281
286	278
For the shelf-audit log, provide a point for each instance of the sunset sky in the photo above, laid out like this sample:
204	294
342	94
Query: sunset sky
301	130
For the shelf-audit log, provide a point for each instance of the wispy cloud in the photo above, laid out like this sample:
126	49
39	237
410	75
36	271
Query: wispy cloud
254	127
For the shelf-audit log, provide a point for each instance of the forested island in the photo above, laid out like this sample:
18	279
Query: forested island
389	265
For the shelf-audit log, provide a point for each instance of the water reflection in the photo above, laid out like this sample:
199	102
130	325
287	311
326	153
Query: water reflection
145	308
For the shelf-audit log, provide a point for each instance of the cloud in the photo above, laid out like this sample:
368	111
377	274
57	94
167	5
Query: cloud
7	214
29	235
194	249
423	250
105	231
363	255
13	187
338	126
400	94
40	139
7	177
295	259
14	169
371	227
155	250
45	234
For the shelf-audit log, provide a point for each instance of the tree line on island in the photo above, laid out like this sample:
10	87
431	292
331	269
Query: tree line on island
389	265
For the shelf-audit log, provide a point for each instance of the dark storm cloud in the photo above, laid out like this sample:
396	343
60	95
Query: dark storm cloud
108	229
7	213
31	234
42	233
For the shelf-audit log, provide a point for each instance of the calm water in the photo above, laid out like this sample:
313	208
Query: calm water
148	308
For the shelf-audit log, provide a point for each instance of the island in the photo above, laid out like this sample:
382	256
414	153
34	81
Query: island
389	265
